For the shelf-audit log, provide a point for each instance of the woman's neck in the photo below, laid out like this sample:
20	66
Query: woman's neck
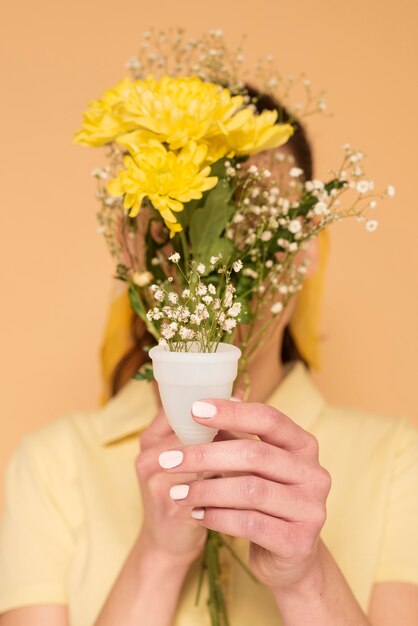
266	369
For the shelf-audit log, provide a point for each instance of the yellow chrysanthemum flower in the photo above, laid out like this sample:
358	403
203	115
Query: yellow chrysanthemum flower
248	133
167	178
104	119
179	110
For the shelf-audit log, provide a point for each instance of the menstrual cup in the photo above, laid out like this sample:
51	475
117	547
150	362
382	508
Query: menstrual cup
184	377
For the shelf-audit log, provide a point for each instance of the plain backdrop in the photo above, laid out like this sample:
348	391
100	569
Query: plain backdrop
55	269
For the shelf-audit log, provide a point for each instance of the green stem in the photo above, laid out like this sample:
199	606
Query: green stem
232	552
185	248
212	568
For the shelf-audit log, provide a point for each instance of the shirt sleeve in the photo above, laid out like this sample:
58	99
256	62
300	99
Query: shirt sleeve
398	559
35	539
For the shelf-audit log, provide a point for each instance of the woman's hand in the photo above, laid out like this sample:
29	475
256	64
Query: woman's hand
167	529
278	499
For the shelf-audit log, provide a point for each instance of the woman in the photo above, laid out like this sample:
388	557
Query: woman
81	545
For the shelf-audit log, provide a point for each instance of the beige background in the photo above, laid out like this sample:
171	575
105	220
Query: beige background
55	270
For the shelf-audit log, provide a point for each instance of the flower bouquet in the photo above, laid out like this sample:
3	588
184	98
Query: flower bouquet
208	214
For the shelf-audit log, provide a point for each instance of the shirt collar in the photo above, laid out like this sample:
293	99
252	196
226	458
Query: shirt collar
298	396
135	405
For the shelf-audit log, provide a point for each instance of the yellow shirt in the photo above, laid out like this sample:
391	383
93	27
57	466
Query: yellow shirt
73	506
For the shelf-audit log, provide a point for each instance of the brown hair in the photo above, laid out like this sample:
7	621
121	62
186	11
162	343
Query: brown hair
300	147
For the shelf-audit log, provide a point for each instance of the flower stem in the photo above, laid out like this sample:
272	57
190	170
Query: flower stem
212	568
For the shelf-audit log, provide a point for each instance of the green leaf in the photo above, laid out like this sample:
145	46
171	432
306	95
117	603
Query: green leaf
219	246
246	315
184	217
135	301
209	222
145	372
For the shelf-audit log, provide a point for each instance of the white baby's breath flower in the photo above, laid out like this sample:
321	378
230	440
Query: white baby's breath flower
196	319
293	246
159	295
266	236
295	172
372	204
237	265
390	190
202	310
269	263
214	260
322	104
212	289
294	226
238	218
100	172
186	333
201	268
363	186
234	310
320	208
250	272
201	289
276	308
183	314
371	225
207	299
253	169
229	324
175	257
162	342
133	63
185	293
142	278
173	298
167	331
155	261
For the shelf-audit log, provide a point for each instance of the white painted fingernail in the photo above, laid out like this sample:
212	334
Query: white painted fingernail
179	492
170	459
203	409
198	514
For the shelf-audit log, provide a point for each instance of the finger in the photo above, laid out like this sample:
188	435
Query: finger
242	455
147	458
271	533
147	465
248	492
158	428
238	395
268	423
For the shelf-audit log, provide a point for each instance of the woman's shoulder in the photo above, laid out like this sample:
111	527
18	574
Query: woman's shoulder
48	451
70	436
371	424
367	438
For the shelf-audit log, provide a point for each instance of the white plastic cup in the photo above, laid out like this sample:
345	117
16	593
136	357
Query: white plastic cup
184	377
